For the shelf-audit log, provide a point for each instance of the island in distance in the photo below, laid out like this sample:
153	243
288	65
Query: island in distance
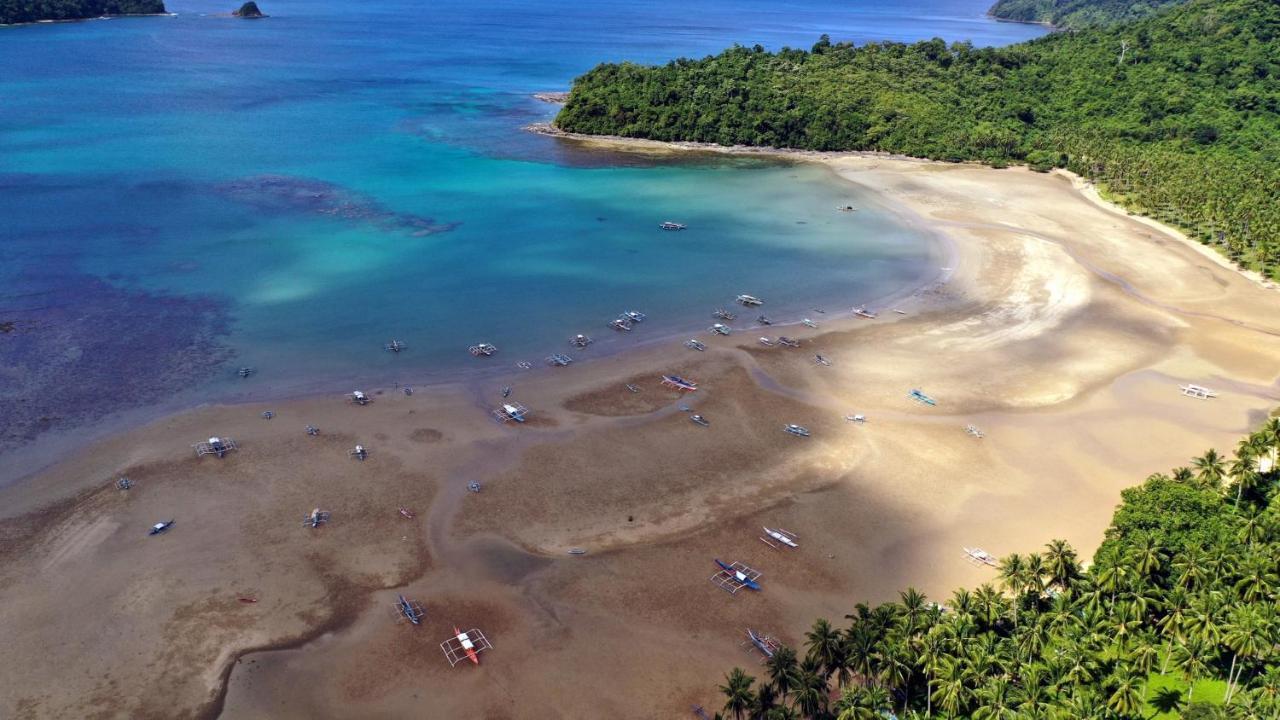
249	10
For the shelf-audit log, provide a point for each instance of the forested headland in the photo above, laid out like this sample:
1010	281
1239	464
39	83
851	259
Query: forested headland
1175	116
1176	616
1075	14
24	11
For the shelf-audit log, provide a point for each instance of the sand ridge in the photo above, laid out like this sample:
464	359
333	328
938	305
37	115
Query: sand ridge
1062	328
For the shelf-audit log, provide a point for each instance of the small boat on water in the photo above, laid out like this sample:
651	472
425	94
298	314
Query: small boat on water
846	208
722	314
797	430
764	320
559	359
749	300
634	316
621	324
580	341
524	365
669	225
483	349
394	346
809	323
693	344
721	329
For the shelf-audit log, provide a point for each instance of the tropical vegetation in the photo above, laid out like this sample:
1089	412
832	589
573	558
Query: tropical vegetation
1175	116
1177	614
24	11
1073	14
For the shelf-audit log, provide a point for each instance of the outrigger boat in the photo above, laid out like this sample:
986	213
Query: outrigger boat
394	346
720	329
668	225
921	397
483	349
693	344
749	300
468	646
797	430
679	383
846	208
632	388
809	323
580	341
784	340
763	320
766	342
634	316
621	324
245	372
358	397
782	536
407	513
862	312
160	527
699	420
978	556
821	360
765	644
742	578
974	431
559	359
1197	391
722	314
316	518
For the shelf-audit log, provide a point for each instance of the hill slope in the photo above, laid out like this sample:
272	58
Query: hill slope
1176	116
1075	14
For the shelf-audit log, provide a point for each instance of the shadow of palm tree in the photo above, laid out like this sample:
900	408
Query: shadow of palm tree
1166	700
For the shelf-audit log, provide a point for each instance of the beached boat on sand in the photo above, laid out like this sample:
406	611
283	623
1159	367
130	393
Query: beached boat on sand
721	329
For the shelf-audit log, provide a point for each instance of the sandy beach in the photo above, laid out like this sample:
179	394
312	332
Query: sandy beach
1063	329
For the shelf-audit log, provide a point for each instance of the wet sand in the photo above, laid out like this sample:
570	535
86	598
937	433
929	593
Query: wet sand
1063	331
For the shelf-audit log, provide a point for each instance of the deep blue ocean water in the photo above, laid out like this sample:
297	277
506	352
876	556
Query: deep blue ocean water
181	196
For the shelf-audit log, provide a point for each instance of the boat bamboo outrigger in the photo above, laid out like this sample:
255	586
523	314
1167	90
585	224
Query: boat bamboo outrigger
921	397
778	537
358	452
559	360
693	344
511	411
767	646
734	576
465	646
394	346
1198	392
784	340
821	360
632	388
245	372
766	342
699	420
796	430
357	397
978	556
862	312
974	431
668	225
580	341
676	382
720	329
846	208
218	446
749	300
722	314
764	320
621	324
635	316
809	323
483	349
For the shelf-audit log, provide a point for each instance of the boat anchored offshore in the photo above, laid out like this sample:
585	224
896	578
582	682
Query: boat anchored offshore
722	314
621	324
580	341
483	349
668	225
749	300
634	316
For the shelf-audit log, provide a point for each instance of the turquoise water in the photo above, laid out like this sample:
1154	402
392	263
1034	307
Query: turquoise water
185	195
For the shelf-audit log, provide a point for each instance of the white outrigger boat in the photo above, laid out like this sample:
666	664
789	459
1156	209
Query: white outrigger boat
766	342
483	349
797	430
1197	391
621	324
749	300
722	314
693	344
668	225
580	341
720	329
978	556
862	312
809	323
783	537
634	316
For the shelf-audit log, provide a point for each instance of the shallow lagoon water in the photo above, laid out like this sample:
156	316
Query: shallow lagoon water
185	195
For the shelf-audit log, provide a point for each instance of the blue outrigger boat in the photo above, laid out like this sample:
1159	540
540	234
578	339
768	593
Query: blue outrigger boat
921	397
741	577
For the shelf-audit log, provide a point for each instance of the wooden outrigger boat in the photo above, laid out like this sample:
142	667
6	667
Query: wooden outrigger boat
796	430
749	300
483	349
978	556
809	323
722	314
862	312
766	342
788	342
621	324
668	225
580	341
721	329
780	537
678	383
1198	392
693	344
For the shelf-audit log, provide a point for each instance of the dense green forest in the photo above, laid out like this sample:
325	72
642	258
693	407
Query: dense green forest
1074	14
1176	116
1177	616
21	11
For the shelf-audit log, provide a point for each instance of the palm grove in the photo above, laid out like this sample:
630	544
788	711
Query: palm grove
1175	115
1181	597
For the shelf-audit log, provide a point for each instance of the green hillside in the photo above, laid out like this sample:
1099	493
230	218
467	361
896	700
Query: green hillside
1177	116
1076	14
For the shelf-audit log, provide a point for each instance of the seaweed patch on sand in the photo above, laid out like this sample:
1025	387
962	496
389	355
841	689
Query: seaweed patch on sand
286	193
77	349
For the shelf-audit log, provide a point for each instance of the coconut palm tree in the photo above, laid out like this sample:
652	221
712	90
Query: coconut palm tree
810	696
823	643
737	690
1062	563
1247	635
782	672
1210	469
1125	699
1147	557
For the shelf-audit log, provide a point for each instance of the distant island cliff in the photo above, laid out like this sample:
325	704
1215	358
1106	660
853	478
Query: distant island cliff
25	11
249	10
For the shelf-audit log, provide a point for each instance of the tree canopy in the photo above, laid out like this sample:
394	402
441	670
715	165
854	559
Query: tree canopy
1075	14
23	11
1176	614
1175	116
